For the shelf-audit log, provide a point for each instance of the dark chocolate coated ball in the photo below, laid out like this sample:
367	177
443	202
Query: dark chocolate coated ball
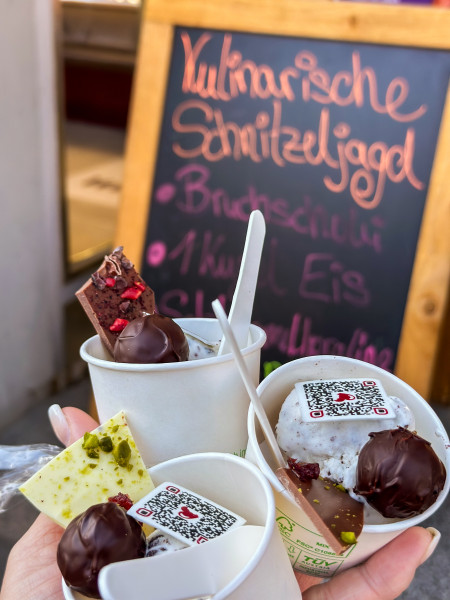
103	534
151	339
398	473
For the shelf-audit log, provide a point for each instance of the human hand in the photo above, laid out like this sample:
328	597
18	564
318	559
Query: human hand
384	576
31	572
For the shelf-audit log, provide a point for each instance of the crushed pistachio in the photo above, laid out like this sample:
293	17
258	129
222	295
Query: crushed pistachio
316	501
67	513
92	453
340	487
92	465
122	453
348	537
106	443
90	440
327	487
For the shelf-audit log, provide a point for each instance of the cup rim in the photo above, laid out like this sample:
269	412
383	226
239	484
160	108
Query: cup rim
367	528
258	334
269	525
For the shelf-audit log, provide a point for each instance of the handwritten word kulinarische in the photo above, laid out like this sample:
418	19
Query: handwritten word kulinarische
235	76
356	165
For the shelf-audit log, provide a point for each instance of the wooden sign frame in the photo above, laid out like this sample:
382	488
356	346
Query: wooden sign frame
410	26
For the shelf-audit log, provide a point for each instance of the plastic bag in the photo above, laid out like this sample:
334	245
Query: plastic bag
19	463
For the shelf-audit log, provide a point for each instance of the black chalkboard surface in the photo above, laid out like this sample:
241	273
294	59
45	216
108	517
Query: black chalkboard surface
334	141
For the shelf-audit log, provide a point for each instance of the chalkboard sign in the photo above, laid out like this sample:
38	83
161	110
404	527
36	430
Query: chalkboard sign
335	140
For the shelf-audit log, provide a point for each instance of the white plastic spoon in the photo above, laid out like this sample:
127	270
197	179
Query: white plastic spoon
251	390
197	572
244	293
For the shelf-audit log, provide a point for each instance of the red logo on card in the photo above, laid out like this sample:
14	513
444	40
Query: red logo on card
172	489
185	513
201	539
380	410
343	397
369	383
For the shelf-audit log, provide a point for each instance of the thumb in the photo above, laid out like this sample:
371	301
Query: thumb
69	424
385	575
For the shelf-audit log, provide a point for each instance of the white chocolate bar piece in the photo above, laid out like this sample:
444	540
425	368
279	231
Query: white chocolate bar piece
73	481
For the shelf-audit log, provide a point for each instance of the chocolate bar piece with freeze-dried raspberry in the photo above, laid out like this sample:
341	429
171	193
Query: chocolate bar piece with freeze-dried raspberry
115	295
335	514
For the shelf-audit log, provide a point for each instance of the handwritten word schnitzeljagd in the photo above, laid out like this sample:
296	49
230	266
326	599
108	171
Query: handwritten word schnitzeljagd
361	167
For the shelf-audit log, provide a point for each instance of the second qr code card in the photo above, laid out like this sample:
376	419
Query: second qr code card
185	515
343	399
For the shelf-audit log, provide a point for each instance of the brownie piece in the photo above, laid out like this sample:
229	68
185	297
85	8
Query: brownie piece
115	295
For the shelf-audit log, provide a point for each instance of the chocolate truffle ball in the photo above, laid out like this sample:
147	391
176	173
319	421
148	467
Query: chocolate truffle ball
398	473
103	534
151	339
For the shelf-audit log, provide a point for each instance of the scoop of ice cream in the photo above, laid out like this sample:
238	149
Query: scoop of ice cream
199	349
159	542
103	534
335	445
151	339
398	473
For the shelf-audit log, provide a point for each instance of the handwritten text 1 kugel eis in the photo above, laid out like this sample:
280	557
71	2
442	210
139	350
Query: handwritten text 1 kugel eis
355	165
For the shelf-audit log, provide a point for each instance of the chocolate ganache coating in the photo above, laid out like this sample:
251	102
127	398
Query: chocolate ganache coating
103	534
398	473
151	339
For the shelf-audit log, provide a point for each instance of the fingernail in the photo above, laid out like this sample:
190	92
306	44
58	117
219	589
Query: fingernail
436	536
59	423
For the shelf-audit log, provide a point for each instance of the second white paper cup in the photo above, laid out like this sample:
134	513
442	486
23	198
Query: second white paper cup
306	548
240	486
180	408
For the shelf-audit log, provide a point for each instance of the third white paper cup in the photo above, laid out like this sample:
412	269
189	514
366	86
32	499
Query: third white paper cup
306	548
180	408
238	485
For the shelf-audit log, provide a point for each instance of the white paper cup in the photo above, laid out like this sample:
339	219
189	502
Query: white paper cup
307	549
180	408
238	485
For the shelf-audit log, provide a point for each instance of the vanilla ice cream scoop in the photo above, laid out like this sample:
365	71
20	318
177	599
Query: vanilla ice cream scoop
334	445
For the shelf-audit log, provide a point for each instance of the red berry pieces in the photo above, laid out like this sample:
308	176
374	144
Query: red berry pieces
140	285
132	293
122	500
305	471
110	282
119	325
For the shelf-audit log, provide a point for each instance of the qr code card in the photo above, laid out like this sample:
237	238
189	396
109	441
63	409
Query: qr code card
343	399
185	515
